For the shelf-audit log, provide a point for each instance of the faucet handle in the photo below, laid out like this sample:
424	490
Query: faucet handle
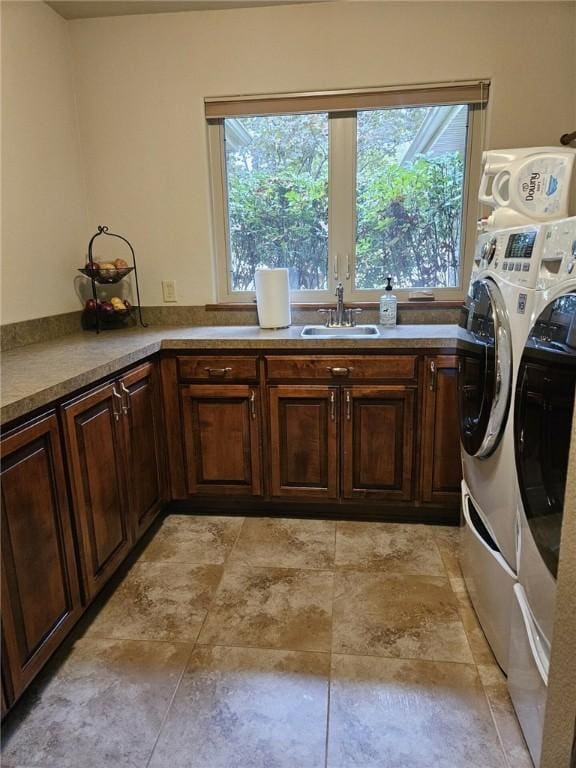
351	315
328	313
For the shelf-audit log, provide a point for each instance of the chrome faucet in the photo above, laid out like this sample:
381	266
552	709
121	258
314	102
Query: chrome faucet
339	305
339	317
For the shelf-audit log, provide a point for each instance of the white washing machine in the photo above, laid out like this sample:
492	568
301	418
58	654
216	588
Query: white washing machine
543	412
496	314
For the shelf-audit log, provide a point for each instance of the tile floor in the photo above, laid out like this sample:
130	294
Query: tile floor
266	643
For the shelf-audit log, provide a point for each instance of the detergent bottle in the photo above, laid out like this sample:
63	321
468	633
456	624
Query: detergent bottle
532	182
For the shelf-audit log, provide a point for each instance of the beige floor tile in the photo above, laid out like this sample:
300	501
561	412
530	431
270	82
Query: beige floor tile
158	601
247	708
479	646
392	713
102	708
448	542
387	547
286	543
507	724
412	617
193	539
271	608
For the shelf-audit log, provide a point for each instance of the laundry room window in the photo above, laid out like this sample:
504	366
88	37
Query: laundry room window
347	187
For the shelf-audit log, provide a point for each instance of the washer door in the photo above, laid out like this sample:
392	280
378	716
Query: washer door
542	422
485	372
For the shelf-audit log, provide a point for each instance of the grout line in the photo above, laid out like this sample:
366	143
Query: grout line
334	574
233	547
261	648
170	703
405	658
185	667
495	723
185	641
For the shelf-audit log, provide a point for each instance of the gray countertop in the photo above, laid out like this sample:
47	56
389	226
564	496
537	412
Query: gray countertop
37	374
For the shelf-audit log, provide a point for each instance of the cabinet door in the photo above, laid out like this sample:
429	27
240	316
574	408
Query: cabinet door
145	470
222	439
40	592
378	442
96	456
304	441
441	469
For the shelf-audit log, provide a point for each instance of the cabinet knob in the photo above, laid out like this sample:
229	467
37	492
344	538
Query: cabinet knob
216	372
333	405
253	403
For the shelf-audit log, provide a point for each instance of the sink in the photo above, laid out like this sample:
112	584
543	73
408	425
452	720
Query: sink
345	332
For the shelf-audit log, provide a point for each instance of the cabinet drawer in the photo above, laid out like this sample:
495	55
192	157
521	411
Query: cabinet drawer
212	368
342	368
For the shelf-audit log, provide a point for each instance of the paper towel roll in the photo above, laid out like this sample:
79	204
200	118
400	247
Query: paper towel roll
273	298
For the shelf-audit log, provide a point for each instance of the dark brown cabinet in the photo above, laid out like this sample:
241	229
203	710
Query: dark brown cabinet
40	593
304	441
351	442
377	442
221	433
441	470
115	459
144	445
96	457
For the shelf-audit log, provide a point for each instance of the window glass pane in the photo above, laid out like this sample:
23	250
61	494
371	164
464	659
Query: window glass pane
409	192
277	172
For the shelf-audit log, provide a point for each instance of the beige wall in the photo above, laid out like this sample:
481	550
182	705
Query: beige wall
43	199
141	82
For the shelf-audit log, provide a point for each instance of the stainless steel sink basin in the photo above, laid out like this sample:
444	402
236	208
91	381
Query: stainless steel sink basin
351	332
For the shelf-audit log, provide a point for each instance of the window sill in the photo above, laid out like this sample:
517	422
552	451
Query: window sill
244	306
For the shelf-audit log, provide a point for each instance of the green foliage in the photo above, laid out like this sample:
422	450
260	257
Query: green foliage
408	216
408	222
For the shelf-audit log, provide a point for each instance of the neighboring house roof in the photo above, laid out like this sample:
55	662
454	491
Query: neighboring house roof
236	135
443	130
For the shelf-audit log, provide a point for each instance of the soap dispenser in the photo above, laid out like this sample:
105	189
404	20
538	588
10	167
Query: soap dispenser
388	305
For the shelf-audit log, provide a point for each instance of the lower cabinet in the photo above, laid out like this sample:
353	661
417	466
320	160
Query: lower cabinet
304	441
97	463
144	444
441	468
114	445
113	437
361	434
40	592
378	442
222	438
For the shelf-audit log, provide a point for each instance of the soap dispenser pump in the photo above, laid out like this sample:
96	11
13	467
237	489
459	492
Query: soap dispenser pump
388	305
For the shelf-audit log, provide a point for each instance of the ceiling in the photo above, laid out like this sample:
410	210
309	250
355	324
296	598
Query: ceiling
91	9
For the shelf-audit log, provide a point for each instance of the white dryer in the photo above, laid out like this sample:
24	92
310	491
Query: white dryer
496	315
543	413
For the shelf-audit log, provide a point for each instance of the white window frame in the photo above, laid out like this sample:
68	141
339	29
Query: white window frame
342	215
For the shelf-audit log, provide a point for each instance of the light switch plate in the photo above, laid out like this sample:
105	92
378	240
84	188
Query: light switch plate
169	290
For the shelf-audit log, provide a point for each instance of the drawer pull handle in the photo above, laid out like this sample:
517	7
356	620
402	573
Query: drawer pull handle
339	371
217	371
348	406
114	411
333	406
253	403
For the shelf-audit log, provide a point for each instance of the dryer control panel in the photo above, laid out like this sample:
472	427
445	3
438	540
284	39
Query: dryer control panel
512	254
558	259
